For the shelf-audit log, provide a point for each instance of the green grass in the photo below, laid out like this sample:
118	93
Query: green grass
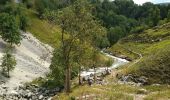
155	88
158	92
162	95
42	30
118	50
114	91
143	43
111	92
154	45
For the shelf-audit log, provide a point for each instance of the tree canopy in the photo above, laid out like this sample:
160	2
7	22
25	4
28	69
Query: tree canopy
9	29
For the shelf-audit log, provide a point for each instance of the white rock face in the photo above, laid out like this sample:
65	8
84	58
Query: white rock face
33	61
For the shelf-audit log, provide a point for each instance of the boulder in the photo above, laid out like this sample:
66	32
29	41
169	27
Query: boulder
142	91
40	97
142	80
13	92
29	95
50	98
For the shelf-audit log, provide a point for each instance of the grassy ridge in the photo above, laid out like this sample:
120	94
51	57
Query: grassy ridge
154	45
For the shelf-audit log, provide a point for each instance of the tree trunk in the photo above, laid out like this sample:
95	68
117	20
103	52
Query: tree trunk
67	79
80	76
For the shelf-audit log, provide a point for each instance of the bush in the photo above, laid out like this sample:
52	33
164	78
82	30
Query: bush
29	4
23	22
139	29
8	63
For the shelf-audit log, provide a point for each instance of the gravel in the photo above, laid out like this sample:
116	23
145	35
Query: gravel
33	61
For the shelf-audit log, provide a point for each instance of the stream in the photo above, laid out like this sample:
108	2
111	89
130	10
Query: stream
117	63
33	92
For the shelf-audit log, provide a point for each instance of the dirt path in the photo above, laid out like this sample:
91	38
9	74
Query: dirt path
134	52
137	60
139	97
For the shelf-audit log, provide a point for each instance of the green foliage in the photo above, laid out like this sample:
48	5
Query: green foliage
109	62
29	3
153	45
23	22
133	19
115	33
78	28
42	30
42	5
164	21
139	29
9	29
57	74
57	67
2	2
168	16
154	16
8	63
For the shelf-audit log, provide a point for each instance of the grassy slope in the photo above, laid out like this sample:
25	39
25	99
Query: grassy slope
154	45
112	91
45	32
42	29
115	91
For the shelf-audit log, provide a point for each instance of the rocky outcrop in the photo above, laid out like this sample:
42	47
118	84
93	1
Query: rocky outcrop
142	80
28	92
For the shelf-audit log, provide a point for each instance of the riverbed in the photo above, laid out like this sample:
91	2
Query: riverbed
117	63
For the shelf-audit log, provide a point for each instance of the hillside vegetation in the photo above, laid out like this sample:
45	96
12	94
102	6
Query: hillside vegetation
116	91
154	45
42	30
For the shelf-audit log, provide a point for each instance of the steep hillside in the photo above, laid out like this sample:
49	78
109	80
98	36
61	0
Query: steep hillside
42	30
33	60
154	47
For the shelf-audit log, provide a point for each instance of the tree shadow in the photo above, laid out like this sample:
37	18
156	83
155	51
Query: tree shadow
2	46
3	79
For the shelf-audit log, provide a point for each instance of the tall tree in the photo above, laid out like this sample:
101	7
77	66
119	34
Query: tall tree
9	29
168	16
8	63
78	26
115	33
4	1
154	16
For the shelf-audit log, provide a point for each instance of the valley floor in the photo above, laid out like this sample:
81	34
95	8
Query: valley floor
112	89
